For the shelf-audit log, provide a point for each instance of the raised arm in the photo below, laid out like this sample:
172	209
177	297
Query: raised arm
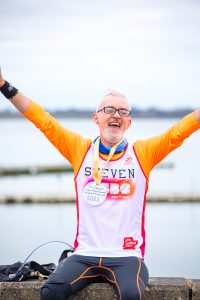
20	101
71	145
151	151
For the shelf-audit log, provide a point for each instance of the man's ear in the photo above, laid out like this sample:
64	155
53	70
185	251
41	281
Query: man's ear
95	118
129	123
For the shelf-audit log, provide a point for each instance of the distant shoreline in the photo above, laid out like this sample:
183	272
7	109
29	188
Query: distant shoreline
85	114
71	198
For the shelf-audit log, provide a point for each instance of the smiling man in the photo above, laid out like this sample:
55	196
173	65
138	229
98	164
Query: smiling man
112	117
111	180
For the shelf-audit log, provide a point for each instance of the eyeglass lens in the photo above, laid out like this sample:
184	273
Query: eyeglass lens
112	110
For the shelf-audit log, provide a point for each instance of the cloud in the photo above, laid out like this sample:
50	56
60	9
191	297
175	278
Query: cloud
148	49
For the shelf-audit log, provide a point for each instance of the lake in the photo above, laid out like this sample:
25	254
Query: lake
21	144
173	239
172	231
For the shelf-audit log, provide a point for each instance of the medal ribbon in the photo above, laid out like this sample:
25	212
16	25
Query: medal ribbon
98	176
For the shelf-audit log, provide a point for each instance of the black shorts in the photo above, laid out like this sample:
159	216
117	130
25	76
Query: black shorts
128	275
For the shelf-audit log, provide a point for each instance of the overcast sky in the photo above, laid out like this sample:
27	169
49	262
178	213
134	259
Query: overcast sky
68	53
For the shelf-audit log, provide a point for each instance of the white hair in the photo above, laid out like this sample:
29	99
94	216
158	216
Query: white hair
114	93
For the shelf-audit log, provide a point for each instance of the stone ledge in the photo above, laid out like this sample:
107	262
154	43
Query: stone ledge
195	289
158	288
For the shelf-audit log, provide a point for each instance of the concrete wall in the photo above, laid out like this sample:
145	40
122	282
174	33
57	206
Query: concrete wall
157	289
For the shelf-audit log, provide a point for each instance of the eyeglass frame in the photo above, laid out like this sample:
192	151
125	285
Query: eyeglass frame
115	110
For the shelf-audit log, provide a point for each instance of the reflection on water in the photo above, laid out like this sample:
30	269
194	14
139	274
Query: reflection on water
172	230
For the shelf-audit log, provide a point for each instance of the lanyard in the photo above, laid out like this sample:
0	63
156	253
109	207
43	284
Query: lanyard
98	176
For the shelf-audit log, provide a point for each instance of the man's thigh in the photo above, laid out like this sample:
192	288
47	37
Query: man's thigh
78	271
129	275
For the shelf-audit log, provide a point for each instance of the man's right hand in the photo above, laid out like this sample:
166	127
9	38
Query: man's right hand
20	101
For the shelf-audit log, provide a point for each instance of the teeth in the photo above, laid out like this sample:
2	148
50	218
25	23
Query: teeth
114	124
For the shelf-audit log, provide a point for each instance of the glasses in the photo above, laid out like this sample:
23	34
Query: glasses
123	112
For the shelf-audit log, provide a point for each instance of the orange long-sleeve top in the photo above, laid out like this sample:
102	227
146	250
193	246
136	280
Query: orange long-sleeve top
73	146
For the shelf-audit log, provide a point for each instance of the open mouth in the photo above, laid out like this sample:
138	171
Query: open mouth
114	124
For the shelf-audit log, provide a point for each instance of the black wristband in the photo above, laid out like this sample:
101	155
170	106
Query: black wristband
8	90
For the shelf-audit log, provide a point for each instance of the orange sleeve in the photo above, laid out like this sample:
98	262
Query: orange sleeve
151	151
71	145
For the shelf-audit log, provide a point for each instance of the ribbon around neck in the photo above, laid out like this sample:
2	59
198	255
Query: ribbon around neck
96	175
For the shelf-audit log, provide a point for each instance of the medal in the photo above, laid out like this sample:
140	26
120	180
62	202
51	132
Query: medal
98	176
95	194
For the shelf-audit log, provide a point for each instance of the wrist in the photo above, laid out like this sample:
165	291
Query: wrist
197	114
8	90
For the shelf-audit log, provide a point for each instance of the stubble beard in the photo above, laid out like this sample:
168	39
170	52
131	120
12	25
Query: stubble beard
111	138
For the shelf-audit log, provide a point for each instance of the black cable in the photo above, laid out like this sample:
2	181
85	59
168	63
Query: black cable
23	264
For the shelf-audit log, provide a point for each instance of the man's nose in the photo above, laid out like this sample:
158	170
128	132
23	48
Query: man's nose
116	114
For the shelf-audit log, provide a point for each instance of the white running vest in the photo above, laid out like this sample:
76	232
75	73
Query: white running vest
115	228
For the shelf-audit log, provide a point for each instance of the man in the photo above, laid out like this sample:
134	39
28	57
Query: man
111	181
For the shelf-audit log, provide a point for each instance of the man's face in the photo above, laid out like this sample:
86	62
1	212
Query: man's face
112	127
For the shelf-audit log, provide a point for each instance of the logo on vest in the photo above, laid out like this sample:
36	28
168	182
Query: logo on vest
128	160
110	189
129	243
